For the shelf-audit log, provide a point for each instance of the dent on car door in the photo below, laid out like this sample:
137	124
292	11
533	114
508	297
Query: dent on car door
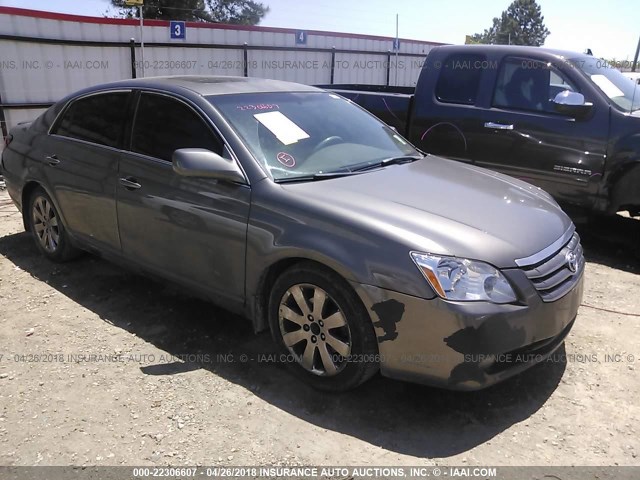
81	165
526	138
192	230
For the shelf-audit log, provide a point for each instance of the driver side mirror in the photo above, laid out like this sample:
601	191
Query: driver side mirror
198	162
572	104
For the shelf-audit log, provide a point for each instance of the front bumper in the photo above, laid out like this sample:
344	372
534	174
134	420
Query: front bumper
467	345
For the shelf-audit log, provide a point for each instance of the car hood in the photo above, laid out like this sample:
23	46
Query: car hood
444	207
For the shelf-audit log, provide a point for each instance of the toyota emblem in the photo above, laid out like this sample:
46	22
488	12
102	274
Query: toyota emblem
572	261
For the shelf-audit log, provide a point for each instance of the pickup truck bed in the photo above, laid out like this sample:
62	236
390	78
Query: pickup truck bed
390	104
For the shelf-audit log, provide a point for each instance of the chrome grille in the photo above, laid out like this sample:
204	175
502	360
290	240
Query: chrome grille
552	277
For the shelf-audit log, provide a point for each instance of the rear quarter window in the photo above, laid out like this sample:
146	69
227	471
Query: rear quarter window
460	78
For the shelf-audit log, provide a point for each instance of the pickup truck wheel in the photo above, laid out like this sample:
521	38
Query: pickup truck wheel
322	328
47	229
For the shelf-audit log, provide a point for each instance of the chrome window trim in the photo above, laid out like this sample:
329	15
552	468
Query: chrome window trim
165	164
86	142
548	251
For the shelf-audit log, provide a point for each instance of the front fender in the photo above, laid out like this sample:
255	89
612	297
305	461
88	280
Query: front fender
281	230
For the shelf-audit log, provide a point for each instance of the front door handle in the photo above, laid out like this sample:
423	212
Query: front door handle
130	183
53	160
498	126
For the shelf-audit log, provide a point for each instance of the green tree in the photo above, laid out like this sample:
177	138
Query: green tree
241	12
520	24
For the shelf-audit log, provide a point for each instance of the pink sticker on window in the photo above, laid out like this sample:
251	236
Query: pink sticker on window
286	159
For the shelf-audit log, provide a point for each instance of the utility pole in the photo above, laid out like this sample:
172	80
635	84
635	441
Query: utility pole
141	37
635	59
139	4
397	49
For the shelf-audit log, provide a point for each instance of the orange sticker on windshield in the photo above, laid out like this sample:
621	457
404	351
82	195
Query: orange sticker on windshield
286	159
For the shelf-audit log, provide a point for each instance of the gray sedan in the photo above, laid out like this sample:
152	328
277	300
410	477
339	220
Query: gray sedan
297	209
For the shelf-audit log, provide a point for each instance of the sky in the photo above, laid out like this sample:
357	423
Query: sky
610	29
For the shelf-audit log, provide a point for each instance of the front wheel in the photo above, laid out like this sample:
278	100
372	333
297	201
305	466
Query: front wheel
323	328
47	229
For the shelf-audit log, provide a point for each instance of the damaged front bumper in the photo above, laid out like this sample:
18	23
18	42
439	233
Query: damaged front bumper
467	345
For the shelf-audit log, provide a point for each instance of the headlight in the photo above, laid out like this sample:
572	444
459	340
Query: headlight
464	280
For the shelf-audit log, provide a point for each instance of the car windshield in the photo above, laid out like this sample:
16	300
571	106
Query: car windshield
623	92
310	134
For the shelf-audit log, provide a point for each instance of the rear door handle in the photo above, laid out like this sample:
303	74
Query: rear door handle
498	126
130	183
53	160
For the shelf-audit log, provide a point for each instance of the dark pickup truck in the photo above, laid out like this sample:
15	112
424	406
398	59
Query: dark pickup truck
566	122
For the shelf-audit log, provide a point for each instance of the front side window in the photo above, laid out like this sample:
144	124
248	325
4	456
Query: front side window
295	135
460	78
97	119
163	125
525	84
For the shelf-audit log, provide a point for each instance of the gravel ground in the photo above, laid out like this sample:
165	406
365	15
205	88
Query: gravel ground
102	367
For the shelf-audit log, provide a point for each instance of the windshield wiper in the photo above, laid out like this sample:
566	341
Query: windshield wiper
314	177
388	161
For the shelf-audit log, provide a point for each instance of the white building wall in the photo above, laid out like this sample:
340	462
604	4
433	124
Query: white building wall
40	66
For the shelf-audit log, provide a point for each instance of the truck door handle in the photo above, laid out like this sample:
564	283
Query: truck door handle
53	160
498	126
130	183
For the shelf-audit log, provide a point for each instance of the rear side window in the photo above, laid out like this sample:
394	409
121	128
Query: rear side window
460	78
98	119
163	125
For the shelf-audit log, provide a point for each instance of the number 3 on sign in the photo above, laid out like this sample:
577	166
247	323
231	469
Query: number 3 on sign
178	30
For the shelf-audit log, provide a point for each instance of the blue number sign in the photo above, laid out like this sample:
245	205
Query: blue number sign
301	37
178	30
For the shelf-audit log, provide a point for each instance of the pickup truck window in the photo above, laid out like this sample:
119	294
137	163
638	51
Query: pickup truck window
525	84
298	135
460	77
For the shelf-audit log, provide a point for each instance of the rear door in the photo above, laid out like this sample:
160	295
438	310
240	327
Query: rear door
523	136
192	230
81	165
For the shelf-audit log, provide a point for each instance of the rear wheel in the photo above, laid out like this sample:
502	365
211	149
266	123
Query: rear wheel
47	229
324	330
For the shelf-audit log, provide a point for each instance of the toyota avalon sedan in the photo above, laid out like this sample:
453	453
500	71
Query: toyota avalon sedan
297	209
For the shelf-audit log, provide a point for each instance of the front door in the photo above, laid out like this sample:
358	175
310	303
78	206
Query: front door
192	230
523	136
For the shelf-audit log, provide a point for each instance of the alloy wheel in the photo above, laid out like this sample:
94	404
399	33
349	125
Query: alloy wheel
46	224
314	329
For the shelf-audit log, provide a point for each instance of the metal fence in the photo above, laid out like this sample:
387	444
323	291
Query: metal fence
46	56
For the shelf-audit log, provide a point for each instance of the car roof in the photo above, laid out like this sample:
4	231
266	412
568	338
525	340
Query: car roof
518	50
209	85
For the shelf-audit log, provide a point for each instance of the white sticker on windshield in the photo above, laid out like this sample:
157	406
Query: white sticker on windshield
607	86
282	127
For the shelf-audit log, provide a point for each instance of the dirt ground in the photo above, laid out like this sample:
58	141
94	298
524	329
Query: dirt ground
102	367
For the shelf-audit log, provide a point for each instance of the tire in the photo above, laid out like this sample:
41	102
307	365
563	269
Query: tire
332	348
47	229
